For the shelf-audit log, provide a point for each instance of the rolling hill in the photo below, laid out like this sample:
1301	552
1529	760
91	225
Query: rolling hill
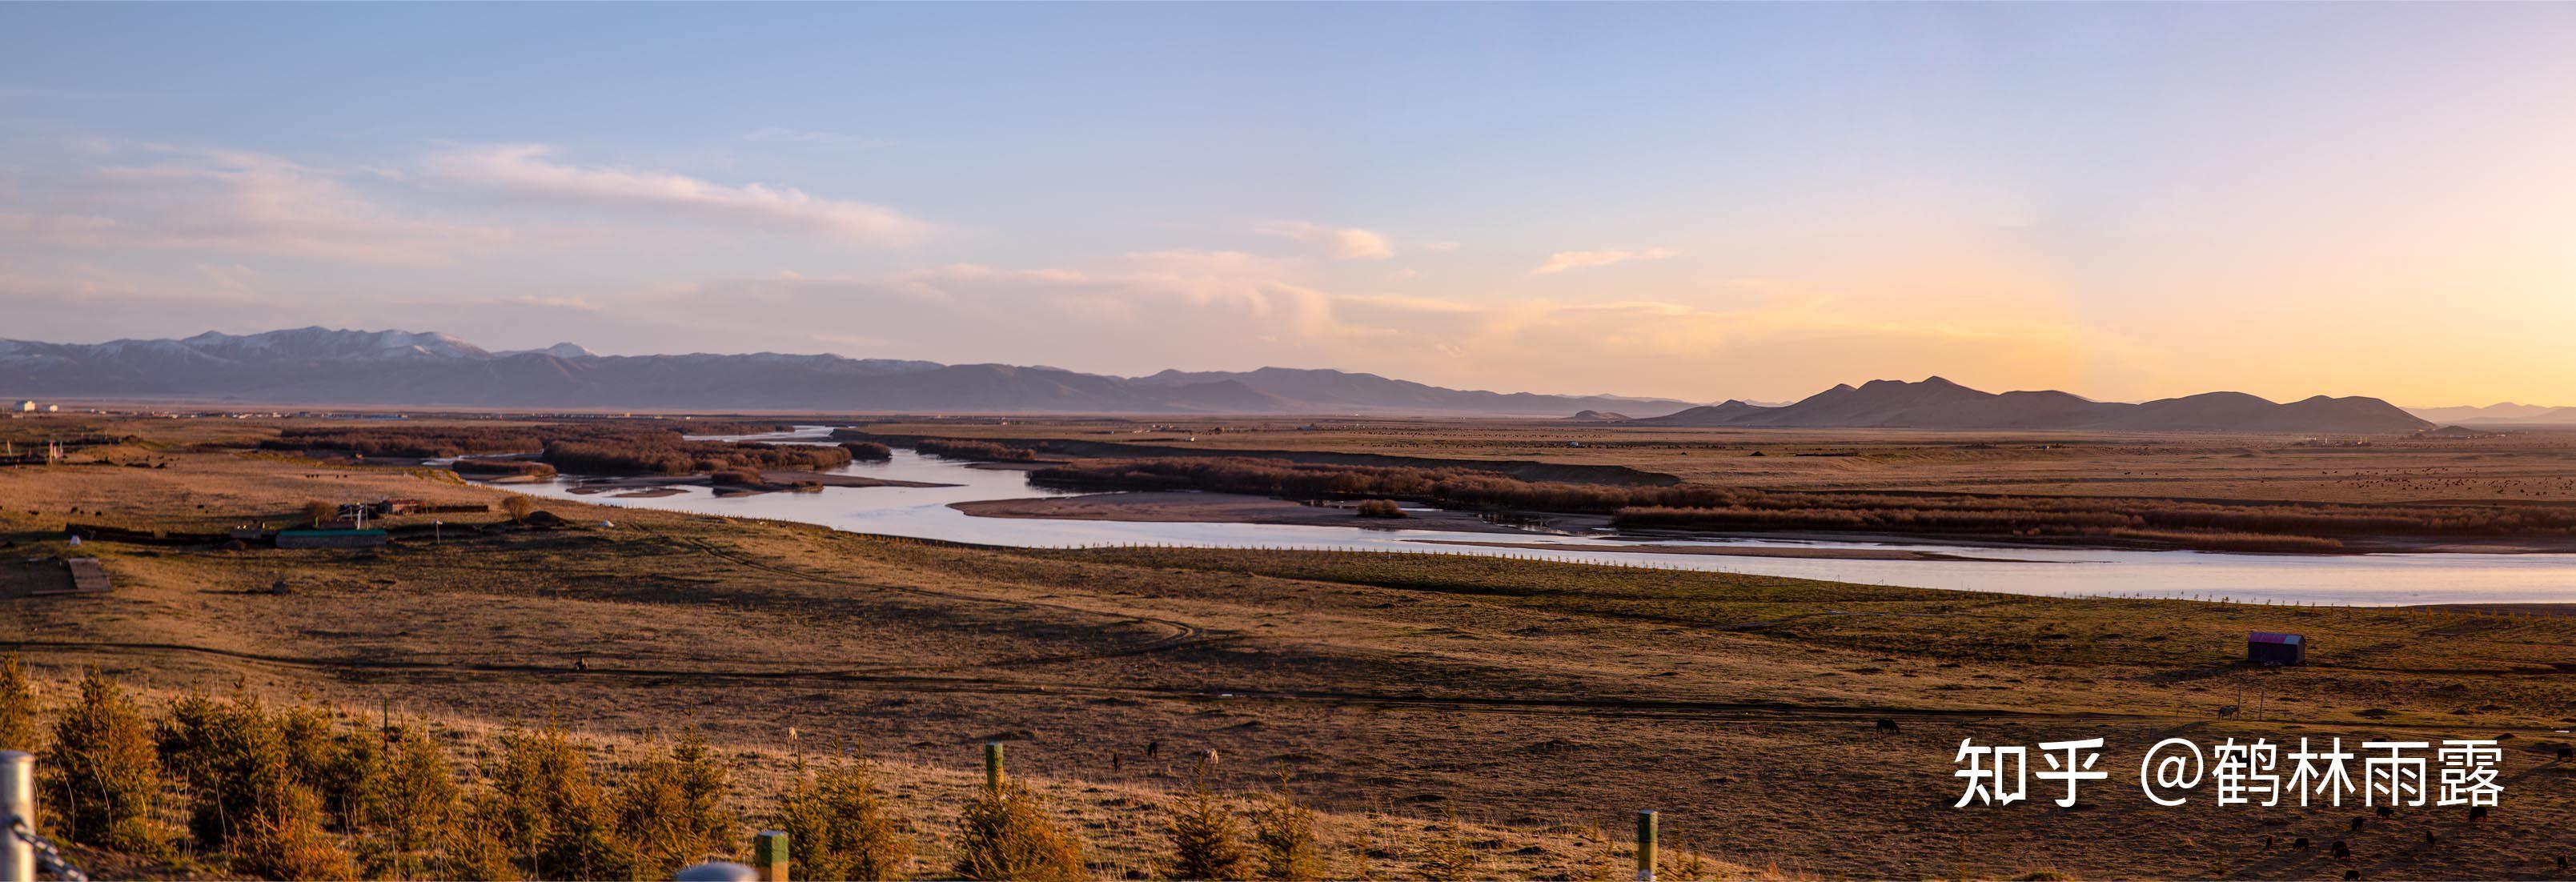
1936	403
318	366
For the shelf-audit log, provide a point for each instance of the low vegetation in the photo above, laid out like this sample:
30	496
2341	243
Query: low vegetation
868	451
977	450
669	455
2232	526
298	792
1380	508
602	447
497	468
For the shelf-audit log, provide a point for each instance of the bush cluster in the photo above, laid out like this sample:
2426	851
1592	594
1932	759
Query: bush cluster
670	455
296	792
977	450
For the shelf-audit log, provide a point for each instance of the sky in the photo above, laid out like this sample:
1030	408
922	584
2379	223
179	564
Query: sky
2126	201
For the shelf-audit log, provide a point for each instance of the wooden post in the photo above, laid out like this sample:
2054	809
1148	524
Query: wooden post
18	801
1646	846
993	767
769	855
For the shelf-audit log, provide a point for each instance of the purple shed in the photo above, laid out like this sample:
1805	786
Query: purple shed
2268	648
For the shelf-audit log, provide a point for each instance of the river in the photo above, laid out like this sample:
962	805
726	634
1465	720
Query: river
2359	580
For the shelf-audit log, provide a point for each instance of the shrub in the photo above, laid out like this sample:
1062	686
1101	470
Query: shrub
838	826
209	748
1283	839
1005	834
868	451
317	511
670	455
103	775
982	450
1207	838
519	507
17	707
671	810
552	812
476	847
409	805
738	477
283	837
1380	508
252	779
1447	857
503	467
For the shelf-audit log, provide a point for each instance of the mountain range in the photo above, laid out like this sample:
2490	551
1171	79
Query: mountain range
314	366
1936	403
320	366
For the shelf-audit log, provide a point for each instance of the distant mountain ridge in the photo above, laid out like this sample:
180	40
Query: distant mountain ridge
401	368
2504	413
1937	403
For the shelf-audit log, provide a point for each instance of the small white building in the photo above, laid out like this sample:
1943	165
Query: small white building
26	407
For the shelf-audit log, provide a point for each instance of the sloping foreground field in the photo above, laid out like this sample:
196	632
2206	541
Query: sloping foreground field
1522	697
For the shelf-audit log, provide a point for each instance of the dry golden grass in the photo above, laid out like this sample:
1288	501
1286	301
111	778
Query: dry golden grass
1535	701
2537	466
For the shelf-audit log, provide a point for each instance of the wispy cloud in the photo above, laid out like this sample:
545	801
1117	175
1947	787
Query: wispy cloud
1342	243
527	171
775	134
1566	260
231	202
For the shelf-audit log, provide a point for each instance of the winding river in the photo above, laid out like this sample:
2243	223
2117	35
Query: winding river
2362	580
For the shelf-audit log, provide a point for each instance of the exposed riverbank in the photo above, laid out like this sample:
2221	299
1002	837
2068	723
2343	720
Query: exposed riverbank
772	481
1219	508
1744	551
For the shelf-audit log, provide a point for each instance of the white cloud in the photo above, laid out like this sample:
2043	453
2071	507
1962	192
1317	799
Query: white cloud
1566	260
524	170
1342	243
232	202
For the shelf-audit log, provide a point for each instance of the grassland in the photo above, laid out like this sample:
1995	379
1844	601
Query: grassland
2533	466
1530	699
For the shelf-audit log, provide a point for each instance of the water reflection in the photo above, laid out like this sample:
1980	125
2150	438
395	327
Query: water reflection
923	512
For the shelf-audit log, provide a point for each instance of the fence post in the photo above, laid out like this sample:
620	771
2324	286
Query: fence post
17	803
993	767
1646	846
769	854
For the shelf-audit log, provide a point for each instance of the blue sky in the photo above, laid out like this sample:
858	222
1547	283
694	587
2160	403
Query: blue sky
1695	200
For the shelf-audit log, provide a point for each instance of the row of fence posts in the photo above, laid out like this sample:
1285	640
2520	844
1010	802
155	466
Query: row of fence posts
768	850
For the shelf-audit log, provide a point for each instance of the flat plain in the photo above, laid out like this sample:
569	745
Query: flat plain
1785	727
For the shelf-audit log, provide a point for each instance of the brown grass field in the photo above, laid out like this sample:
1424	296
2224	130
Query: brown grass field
1532	700
2531	466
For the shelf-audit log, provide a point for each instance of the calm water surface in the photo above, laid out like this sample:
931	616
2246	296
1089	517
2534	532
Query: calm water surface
2375	579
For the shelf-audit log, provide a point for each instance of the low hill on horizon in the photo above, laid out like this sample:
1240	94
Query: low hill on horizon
320	366
1937	403
2502	413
